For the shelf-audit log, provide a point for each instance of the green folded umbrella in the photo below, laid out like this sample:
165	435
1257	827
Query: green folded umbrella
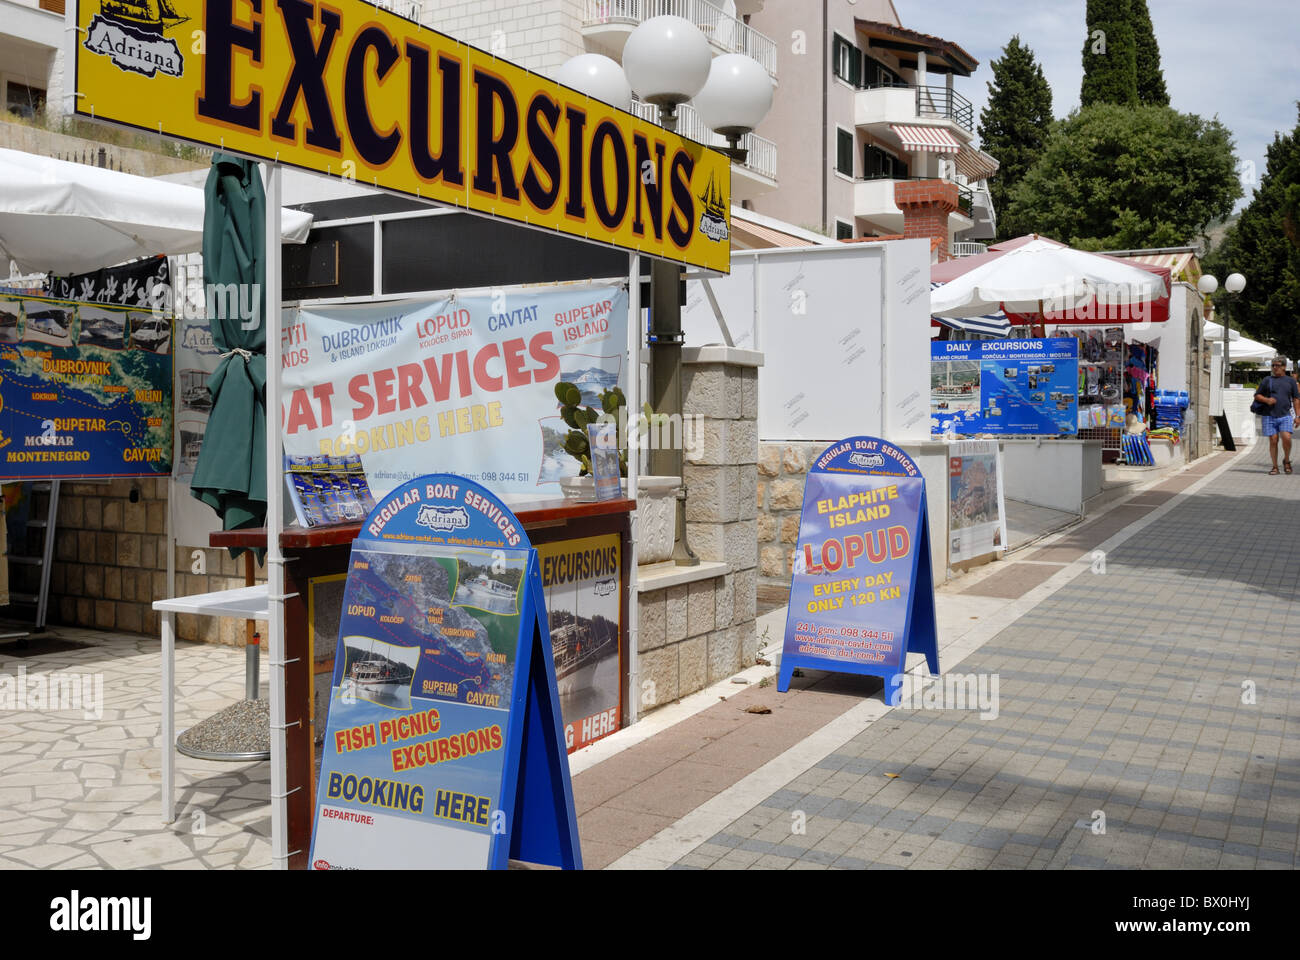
230	475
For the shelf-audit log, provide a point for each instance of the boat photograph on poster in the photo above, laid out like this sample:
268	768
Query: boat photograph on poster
101	327
379	672
491	586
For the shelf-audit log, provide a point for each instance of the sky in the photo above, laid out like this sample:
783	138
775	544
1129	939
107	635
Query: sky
1239	61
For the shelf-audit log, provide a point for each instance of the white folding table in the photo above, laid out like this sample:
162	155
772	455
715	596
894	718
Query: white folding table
245	603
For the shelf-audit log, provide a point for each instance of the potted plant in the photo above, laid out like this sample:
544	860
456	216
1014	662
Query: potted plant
656	496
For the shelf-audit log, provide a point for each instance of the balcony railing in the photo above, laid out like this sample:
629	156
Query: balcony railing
947	103
761	157
967	248
725	32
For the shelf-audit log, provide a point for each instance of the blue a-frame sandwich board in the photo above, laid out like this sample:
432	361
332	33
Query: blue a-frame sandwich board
864	517
475	772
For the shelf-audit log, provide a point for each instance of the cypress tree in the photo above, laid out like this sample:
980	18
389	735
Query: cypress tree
1109	55
1014	123
1150	78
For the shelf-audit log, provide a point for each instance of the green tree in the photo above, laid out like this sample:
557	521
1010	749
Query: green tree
1015	122
1109	55
1150	78
1116	177
1264	246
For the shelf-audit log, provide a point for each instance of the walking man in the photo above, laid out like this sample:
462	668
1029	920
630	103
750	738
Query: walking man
1281	393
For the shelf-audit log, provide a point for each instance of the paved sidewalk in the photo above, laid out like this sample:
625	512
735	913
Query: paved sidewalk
1126	694
80	791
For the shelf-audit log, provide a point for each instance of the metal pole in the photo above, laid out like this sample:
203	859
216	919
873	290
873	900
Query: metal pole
634	338
274	524
666	375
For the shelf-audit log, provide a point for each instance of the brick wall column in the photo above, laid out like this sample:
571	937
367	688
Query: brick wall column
926	205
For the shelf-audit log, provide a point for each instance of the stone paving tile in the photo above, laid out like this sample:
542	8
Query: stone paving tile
1122	693
80	792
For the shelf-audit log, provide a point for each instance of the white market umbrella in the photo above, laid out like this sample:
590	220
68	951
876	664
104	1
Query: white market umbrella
1044	276
63	217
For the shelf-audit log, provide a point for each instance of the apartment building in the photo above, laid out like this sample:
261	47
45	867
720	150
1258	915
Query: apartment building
31	69
542	34
875	137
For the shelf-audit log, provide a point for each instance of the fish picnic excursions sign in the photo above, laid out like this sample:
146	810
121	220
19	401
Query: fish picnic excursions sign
353	90
444	743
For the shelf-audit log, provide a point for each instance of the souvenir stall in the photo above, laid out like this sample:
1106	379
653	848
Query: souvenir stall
1068	309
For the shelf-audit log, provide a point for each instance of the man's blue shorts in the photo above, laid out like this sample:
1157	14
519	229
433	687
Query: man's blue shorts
1274	425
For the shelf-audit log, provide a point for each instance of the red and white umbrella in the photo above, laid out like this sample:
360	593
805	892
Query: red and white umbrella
1046	281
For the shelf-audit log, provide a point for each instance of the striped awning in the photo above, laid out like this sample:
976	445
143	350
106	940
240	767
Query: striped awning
975	164
930	139
995	324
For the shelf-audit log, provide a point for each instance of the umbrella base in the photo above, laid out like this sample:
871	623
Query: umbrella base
239	733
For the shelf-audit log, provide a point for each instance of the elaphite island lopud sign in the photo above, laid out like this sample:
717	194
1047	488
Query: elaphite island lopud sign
862	596
353	90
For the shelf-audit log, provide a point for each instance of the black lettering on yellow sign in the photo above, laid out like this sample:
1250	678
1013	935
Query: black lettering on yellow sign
352	90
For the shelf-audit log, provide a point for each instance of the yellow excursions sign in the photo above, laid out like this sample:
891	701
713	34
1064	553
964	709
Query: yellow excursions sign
354	91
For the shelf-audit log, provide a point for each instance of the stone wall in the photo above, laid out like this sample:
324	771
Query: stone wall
47	143
691	635
782	468
110	562
537	34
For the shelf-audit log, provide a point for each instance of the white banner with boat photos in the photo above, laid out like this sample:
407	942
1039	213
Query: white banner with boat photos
977	523
464	384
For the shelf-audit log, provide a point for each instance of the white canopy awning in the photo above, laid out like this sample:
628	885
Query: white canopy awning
62	217
1214	331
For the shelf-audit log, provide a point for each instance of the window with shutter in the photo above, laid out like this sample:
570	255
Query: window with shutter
844	152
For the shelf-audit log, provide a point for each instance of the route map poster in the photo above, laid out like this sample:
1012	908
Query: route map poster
862	595
1012	387
467	382
420	759
581	579
85	389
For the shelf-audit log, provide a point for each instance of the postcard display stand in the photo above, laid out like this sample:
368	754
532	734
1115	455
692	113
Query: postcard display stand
444	745
862	596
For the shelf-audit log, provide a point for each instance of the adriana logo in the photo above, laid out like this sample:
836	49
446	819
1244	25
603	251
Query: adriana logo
603	588
442	518
130	33
713	221
866	459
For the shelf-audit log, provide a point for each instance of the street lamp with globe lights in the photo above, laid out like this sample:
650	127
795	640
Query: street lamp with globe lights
1235	283
667	61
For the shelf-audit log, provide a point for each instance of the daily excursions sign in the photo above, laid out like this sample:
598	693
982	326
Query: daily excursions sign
444	744
85	390
353	90
467	383
1025	387
862	596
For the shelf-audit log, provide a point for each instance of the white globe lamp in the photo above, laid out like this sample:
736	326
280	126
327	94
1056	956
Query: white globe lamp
667	62
1235	283
598	77
735	98
1207	284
